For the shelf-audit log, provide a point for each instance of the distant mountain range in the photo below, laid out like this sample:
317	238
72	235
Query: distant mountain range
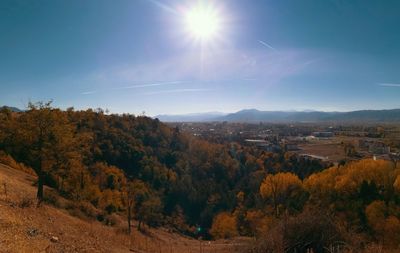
13	109
192	117
253	115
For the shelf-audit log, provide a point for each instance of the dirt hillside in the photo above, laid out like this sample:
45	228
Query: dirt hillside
26	228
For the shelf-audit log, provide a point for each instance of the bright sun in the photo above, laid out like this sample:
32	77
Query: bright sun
203	22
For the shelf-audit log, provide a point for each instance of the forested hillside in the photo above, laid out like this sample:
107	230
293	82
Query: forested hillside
143	169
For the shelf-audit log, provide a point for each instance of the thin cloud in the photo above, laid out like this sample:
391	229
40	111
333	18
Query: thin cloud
88	92
220	66
267	45
389	84
176	91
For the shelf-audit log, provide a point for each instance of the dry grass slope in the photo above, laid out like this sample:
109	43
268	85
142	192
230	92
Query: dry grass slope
26	228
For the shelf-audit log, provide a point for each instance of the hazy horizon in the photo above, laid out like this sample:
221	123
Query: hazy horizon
207	112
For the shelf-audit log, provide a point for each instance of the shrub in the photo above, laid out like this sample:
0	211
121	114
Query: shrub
88	209
77	213
258	223
9	161
83	209
111	220
52	198
25	202
311	230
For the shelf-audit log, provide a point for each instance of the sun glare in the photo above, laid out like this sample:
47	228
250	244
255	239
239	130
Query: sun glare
203	22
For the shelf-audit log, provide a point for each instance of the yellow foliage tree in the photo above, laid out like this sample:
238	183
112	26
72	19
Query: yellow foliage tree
381	172
386	229
376	212
347	180
111	200
392	231
396	184
322	184
279	188
224	226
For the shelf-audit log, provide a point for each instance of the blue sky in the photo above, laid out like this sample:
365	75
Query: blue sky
135	55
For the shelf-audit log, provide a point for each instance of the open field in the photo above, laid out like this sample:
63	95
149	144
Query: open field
331	149
26	228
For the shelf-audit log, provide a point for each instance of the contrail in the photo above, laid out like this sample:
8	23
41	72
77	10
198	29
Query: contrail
135	86
147	85
267	45
389	84
175	91
163	6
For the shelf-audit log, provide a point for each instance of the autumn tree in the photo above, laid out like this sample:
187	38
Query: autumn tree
130	202
383	222
280	188
240	212
151	211
147	206
376	213
224	226
5	114
258	223
44	141
178	220
396	185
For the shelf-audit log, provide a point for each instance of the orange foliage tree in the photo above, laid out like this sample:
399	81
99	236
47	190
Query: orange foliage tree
224	226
